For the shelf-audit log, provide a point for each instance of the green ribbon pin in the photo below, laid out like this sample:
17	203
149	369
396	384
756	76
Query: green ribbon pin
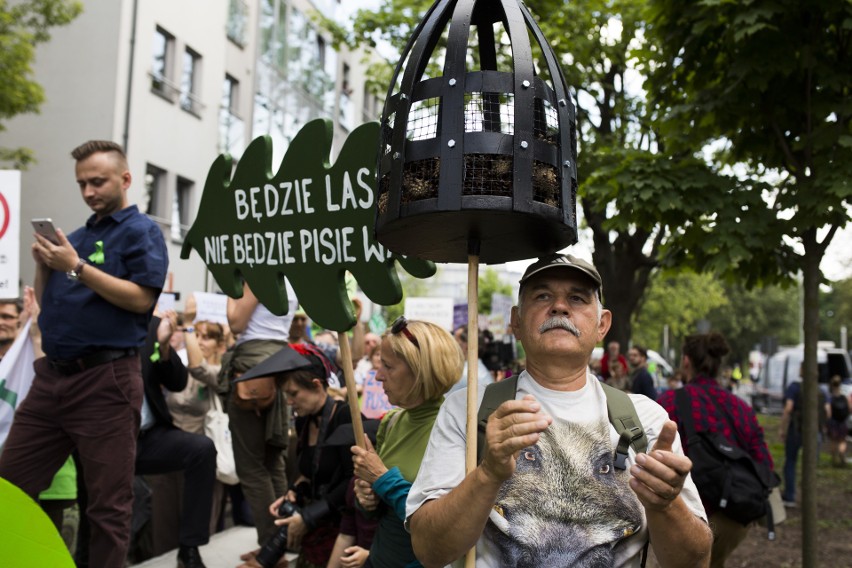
155	356
97	257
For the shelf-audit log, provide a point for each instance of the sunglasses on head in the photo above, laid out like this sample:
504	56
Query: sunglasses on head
401	325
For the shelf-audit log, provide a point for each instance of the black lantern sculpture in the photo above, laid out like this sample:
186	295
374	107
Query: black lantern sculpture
477	161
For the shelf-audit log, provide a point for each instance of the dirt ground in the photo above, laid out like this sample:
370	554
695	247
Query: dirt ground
834	513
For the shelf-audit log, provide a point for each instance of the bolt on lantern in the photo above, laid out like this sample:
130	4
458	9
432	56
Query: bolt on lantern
471	160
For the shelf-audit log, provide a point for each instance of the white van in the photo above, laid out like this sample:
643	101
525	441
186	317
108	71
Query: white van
783	367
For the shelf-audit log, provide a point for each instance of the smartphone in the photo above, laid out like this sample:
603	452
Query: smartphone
45	228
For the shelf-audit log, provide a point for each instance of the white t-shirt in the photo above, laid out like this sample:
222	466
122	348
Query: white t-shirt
263	324
566	504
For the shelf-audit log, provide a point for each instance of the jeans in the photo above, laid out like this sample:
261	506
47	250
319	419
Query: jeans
792	445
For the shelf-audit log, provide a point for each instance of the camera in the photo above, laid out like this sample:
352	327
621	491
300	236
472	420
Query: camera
274	548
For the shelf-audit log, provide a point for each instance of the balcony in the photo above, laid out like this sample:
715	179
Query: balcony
161	86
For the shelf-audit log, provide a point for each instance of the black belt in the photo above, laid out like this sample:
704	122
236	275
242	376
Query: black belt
74	366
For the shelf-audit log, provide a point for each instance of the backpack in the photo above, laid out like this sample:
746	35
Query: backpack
622	416
839	408
726	475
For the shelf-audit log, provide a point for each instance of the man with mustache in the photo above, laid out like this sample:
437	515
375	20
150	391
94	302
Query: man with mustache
528	504
97	288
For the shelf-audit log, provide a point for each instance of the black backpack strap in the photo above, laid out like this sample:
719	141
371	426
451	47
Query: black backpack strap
623	417
684	412
495	395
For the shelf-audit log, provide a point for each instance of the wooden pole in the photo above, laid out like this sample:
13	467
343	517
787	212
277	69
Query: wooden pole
472	369
351	389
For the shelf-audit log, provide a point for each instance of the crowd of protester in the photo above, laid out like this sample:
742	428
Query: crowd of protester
128	399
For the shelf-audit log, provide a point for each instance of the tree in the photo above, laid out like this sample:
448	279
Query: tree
678	301
411	286
772	79
489	284
632	193
836	310
751	316
24	25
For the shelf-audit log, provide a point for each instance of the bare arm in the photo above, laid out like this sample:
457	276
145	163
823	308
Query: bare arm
785	419
515	425
240	310
343	541
194	358
679	538
31	311
117	291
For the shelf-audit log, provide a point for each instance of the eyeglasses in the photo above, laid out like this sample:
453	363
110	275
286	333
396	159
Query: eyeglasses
401	325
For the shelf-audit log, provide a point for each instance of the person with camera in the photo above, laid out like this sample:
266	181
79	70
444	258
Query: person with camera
420	362
308	515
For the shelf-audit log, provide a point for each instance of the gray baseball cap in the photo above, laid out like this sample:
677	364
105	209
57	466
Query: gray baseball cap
563	261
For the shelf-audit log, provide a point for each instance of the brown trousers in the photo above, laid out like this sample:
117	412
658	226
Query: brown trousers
97	412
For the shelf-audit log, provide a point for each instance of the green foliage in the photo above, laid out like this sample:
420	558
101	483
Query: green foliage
773	79
411	287
24	25
489	284
751	315
679	301
836	310
745	316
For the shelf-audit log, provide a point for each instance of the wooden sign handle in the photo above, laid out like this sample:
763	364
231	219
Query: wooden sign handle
351	389
472	373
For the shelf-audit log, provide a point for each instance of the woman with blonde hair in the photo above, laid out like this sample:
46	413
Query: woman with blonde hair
419	363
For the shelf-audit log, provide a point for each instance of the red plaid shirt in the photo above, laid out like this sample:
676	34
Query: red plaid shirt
748	435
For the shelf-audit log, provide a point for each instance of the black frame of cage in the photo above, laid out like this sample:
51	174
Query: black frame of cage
540	227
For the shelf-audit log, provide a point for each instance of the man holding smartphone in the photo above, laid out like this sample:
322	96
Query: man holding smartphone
97	288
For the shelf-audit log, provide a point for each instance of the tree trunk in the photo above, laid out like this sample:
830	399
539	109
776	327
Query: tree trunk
624	270
810	396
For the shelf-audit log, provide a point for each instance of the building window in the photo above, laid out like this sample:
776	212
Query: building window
155	179
190	79
370	108
182	208
162	64
231	126
237	22
345	102
320	50
230	94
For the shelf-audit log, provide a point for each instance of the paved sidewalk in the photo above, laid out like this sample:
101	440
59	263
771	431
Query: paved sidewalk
223	550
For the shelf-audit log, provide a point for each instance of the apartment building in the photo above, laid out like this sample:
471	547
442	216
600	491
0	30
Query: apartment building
178	83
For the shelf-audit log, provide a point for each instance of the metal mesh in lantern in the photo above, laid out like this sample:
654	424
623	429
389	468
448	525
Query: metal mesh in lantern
482	154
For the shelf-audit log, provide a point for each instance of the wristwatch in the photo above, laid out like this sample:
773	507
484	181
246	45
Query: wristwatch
74	273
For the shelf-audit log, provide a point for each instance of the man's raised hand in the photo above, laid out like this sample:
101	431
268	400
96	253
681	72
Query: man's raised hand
515	425
658	476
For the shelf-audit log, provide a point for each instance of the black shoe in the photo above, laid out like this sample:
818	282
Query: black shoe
189	557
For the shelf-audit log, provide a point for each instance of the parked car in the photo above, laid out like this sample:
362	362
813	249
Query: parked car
783	367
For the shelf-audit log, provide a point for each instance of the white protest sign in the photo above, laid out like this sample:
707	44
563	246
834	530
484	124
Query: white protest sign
436	310
211	307
10	232
16	377
501	311
166	302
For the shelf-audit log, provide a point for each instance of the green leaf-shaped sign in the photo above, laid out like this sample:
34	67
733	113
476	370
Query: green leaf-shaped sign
310	222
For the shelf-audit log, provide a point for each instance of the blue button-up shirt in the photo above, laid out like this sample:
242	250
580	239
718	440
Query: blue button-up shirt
76	321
